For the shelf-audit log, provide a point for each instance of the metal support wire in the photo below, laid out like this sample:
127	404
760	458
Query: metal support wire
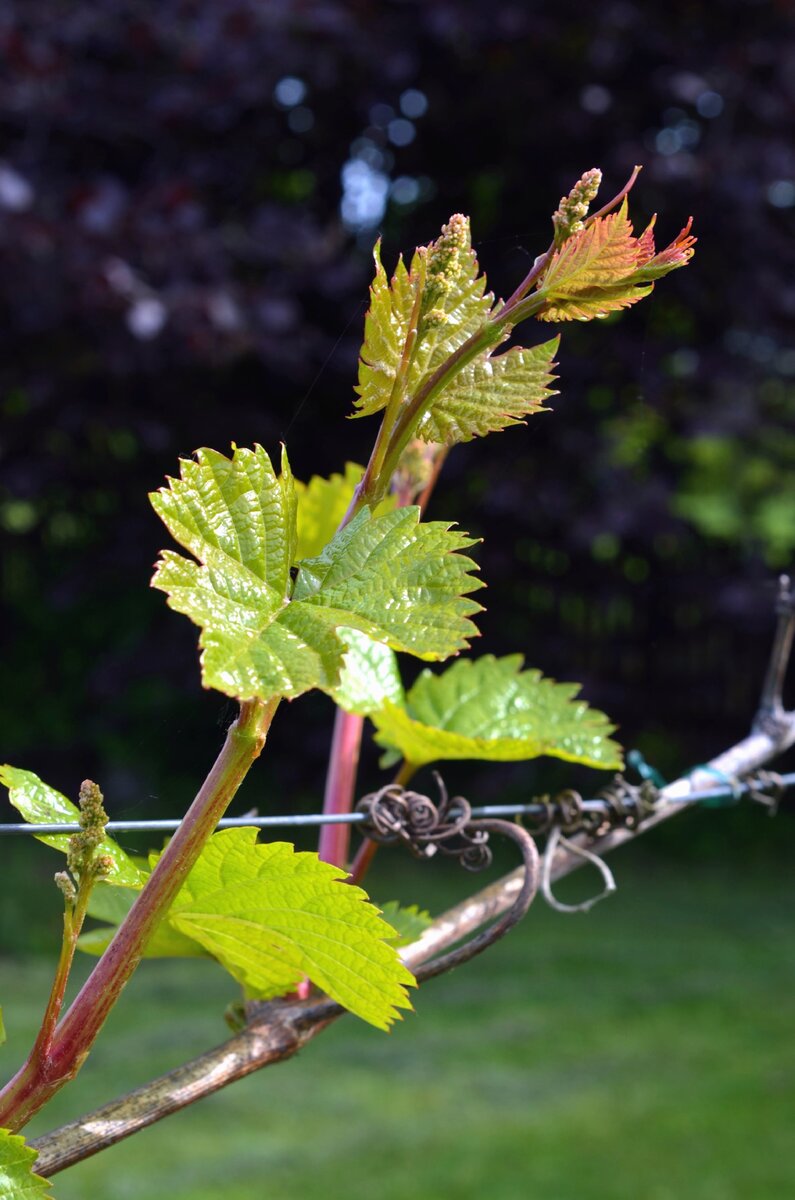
590	812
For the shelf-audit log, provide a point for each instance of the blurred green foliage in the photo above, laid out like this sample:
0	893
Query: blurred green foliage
741	491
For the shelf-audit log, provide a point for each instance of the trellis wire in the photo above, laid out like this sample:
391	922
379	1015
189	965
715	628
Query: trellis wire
733	791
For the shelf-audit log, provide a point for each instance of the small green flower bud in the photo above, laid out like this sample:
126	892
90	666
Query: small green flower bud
65	884
444	253
435	318
573	209
92	812
102	866
93	818
444	262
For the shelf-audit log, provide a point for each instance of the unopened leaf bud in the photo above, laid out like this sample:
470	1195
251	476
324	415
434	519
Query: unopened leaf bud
415	468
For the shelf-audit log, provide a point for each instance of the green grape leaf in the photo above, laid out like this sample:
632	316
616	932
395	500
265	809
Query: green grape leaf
408	923
490	394
491	709
271	916
235	515
111	905
369	676
594	302
460	307
42	805
386	327
396	579
322	503
165	942
399	581
18	1180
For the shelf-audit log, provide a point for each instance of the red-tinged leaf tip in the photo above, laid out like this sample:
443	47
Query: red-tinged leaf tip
677	254
646	245
680	249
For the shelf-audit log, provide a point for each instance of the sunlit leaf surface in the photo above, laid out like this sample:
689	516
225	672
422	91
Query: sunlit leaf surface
271	915
399	581
490	708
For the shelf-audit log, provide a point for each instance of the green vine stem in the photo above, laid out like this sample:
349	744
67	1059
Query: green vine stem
334	842
73	918
44	1074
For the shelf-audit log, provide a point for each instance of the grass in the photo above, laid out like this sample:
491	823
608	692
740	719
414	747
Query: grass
643	1052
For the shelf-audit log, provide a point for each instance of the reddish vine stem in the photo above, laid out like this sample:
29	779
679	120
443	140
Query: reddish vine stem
340	785
43	1075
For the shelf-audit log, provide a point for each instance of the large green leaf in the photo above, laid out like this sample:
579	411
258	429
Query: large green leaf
322	503
399	581
490	394
18	1180
369	676
42	805
459	311
271	916
490	708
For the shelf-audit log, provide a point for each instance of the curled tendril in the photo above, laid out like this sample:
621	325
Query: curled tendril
395	814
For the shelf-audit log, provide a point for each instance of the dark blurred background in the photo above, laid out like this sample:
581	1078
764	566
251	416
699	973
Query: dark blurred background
189	195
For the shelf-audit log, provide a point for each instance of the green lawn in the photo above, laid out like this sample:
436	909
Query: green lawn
642	1052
